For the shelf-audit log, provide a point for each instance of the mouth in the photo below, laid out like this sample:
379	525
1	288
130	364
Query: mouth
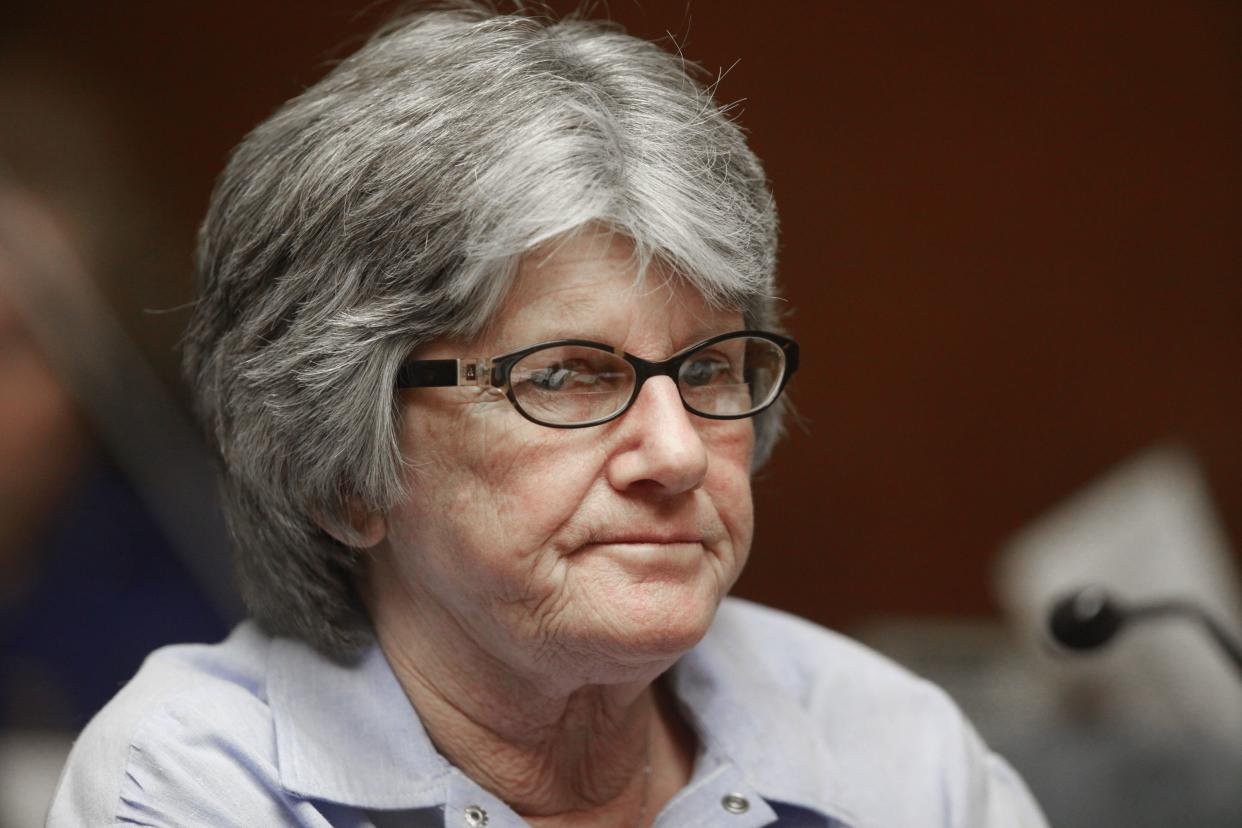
648	557
647	539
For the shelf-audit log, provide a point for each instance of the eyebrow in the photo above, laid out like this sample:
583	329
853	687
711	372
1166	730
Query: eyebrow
596	335
578	306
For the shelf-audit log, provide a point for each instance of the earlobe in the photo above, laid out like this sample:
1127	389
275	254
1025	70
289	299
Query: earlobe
371	528
360	529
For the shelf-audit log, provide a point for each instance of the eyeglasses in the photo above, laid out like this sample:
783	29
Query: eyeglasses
575	383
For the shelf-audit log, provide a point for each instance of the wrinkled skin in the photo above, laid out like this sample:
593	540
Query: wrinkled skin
537	580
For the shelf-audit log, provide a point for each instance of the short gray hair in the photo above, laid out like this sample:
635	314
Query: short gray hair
388	206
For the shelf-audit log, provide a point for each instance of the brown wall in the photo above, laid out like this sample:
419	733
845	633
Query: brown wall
1011	244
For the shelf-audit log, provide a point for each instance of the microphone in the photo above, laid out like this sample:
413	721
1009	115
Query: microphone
1089	618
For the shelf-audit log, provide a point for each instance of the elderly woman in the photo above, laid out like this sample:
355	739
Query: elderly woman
487	348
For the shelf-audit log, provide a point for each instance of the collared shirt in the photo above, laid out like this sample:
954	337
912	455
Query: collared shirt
797	726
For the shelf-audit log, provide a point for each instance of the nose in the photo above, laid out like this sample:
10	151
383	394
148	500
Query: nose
660	447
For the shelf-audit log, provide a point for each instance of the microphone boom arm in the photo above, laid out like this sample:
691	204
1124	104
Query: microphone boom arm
1089	618
1189	610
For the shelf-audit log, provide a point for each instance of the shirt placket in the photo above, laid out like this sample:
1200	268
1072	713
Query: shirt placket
470	806
721	799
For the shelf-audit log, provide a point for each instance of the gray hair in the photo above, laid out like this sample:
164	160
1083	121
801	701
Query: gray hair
388	206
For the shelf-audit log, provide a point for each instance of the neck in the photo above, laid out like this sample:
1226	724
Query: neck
600	754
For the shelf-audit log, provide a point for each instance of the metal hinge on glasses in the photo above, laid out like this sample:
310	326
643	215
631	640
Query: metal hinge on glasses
472	371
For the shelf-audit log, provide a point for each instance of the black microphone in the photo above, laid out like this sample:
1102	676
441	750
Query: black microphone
1089	618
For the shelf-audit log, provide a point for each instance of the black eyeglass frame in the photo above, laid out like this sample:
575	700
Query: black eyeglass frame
494	373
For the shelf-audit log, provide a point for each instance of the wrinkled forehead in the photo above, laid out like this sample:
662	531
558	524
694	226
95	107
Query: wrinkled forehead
594	284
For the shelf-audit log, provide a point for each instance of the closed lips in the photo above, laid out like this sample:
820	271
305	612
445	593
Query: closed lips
648	539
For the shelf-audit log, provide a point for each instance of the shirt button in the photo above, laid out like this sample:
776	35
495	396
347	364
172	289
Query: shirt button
735	803
476	817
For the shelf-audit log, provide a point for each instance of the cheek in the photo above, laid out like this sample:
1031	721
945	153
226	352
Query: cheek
486	489
732	445
539	487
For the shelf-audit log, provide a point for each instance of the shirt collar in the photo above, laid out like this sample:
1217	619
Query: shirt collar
746	719
347	733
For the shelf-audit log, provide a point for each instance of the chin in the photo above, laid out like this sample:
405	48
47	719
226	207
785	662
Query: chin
653	624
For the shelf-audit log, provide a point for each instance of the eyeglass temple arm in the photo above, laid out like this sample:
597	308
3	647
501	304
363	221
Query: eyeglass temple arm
791	357
440	373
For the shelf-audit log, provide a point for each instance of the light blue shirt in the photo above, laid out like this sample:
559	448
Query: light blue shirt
797	726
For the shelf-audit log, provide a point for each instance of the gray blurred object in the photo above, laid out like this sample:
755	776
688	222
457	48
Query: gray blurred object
1145	732
1146	532
1148	729
30	763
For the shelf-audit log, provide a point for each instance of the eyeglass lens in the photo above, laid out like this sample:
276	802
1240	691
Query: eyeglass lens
574	384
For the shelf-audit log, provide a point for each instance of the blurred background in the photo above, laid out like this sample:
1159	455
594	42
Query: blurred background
1012	243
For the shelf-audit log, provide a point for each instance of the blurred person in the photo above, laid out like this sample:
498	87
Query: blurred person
91	569
42	442
487	349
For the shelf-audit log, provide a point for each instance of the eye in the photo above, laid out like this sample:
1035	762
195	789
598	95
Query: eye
577	375
708	368
551	377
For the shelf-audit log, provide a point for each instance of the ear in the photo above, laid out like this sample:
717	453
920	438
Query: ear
358	528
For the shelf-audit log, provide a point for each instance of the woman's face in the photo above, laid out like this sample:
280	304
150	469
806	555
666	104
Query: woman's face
589	554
